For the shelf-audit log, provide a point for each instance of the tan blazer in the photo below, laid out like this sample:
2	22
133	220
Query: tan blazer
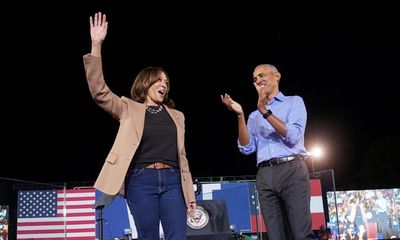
131	118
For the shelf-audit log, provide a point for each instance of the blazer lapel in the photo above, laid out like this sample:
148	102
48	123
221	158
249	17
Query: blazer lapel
138	118
179	126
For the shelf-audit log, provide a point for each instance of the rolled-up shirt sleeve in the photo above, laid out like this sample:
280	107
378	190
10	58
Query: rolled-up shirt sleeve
295	122
252	146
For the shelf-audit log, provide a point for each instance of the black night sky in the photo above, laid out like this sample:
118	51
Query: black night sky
344	62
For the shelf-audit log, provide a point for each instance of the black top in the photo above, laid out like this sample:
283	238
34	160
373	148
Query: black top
159	140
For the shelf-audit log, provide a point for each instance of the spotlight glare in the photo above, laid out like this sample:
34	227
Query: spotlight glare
317	152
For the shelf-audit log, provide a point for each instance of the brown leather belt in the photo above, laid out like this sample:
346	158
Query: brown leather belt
158	165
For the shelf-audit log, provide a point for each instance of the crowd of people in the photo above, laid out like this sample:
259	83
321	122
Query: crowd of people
4	222
366	214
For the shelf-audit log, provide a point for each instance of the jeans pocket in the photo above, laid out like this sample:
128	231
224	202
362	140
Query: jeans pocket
175	171
136	172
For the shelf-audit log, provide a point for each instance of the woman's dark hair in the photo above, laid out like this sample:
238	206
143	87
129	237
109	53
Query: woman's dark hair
143	81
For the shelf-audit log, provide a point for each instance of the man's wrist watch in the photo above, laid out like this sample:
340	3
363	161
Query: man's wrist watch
266	115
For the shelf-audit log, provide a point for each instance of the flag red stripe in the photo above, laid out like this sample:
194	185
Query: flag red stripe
254	220
82	214
61	199
318	220
315	185
23	224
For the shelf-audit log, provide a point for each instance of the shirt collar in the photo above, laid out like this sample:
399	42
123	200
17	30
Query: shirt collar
280	97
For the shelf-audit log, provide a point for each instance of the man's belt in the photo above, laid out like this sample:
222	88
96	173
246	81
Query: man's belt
279	160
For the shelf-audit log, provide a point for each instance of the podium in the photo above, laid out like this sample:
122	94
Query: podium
210	221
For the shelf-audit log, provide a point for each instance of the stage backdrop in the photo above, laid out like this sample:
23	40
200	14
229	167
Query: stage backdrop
243	210
55	214
241	202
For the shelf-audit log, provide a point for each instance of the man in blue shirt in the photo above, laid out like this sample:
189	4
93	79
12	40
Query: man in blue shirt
275	131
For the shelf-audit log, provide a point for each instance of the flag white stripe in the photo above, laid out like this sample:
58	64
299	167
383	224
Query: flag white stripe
77	210
73	203
53	227
316	204
55	219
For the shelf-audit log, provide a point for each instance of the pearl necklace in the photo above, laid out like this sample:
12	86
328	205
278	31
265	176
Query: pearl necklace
154	111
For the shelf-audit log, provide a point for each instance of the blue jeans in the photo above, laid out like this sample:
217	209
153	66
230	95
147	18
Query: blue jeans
154	195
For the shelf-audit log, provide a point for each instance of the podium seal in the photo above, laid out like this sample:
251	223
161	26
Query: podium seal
200	218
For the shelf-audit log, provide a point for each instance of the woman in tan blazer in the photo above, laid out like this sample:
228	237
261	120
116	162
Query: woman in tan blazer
147	163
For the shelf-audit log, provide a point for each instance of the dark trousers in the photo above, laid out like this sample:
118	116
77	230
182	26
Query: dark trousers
284	196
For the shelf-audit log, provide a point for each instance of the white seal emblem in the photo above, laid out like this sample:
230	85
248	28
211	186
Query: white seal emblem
200	218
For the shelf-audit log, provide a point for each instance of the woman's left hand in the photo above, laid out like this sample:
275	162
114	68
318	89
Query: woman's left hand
191	209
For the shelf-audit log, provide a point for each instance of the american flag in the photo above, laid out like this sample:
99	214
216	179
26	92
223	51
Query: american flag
56	214
316	205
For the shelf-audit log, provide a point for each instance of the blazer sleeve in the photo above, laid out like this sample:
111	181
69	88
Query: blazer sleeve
100	92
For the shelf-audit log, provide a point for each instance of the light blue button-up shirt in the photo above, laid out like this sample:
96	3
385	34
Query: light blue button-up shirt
266	141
